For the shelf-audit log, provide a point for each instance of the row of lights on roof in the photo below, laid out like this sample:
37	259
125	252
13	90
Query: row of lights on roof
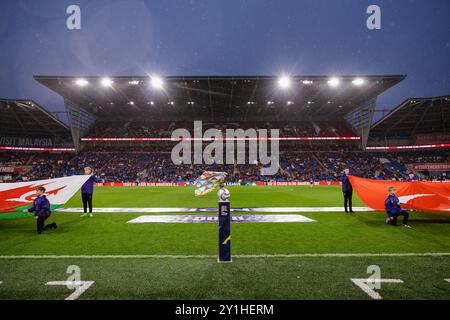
152	103
270	103
285	82
156	82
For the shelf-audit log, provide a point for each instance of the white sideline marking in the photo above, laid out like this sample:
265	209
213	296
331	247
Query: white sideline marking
448	280
213	219
196	210
362	283
244	256
82	287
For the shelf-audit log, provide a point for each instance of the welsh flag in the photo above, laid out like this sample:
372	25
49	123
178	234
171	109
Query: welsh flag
16	197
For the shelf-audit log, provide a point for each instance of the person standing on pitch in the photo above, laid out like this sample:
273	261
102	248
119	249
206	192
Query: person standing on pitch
87	191
41	209
347	190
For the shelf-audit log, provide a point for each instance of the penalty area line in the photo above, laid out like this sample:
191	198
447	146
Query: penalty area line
241	256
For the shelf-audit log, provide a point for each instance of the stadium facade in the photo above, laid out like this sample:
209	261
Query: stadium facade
347	101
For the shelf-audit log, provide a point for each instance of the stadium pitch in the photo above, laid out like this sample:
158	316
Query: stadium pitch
291	260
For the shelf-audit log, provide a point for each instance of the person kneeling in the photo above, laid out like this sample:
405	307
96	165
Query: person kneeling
394	210
41	209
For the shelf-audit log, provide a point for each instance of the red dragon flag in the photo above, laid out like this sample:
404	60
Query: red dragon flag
15	198
415	195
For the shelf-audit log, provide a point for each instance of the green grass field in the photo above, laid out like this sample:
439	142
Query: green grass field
271	260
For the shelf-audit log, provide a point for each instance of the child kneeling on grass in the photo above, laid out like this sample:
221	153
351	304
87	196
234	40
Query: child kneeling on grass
394	210
41	209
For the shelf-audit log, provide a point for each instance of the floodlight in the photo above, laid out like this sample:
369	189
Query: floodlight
107	82
358	81
334	82
284	82
157	82
81	82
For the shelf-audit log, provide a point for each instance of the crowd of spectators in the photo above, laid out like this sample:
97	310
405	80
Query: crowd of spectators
144	166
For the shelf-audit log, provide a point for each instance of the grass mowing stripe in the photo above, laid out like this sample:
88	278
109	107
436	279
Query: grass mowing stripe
293	255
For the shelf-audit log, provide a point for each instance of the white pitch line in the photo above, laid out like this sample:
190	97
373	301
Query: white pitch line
214	210
244	256
81	287
363	285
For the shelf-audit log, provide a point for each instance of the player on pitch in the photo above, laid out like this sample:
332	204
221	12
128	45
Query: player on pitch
87	190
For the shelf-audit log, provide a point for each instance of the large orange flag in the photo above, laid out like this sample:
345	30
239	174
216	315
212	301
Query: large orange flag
416	195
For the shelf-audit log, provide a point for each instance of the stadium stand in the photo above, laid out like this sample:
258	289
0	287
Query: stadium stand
416	121
131	107
158	167
140	129
24	123
97	116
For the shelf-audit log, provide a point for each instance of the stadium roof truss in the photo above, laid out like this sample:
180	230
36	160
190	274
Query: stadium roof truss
414	116
220	98
26	118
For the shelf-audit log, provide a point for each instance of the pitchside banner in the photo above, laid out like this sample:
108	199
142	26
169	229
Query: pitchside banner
16	197
38	142
13	169
416	195
427	138
431	166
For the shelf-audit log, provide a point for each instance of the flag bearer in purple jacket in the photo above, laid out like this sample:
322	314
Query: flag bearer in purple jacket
41	209
394	210
87	191
347	190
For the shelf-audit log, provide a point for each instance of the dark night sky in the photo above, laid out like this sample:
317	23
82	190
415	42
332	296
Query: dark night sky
225	37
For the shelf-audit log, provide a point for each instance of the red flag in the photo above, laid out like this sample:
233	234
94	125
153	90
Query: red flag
415	195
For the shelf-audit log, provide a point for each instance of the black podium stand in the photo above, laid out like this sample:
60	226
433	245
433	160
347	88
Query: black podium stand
224	232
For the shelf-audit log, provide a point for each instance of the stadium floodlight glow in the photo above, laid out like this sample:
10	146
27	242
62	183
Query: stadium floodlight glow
307	82
290	103
270	103
358	81
152	103
131	103
81	82
334	82
156	82
106	82
284	82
